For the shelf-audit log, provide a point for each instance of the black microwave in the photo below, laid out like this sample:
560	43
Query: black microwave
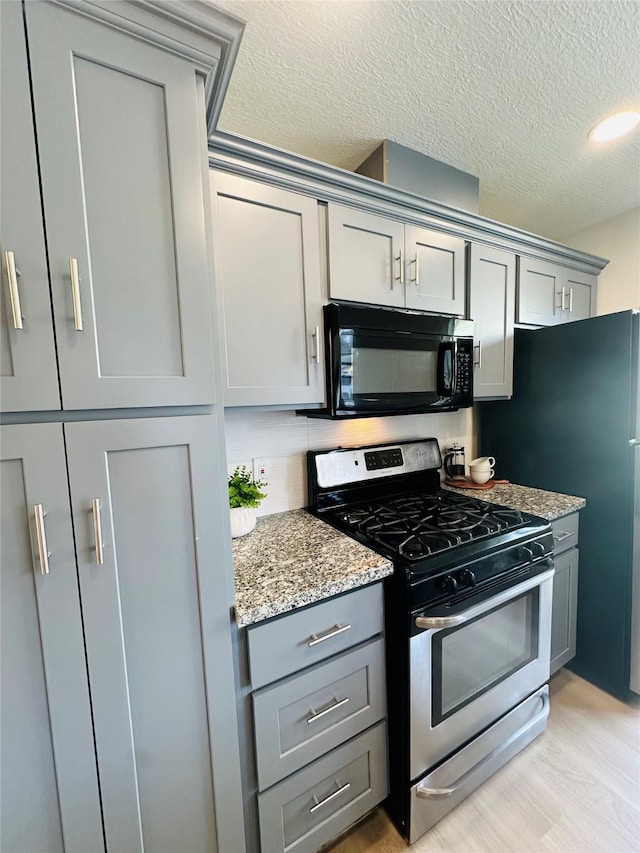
391	361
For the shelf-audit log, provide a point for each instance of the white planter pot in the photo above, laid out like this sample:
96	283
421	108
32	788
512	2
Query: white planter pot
243	521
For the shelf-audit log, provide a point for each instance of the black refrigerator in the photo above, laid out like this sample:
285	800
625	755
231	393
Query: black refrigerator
573	426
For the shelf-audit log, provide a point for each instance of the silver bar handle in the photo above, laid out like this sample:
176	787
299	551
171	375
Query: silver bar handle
97	531
14	293
439	622
561	294
316	337
400	277
634	442
478	363
337	703
75	294
437	793
562	536
320	803
337	629
416	277
41	536
571	301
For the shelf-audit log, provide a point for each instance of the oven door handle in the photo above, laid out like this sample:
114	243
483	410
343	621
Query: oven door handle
436	793
440	622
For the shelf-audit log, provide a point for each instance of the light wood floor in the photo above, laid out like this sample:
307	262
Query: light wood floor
575	789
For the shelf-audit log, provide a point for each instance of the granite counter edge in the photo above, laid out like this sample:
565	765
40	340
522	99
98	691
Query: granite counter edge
245	616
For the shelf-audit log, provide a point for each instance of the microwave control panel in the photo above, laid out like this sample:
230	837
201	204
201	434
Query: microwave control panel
464	367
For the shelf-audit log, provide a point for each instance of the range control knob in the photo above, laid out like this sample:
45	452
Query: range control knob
450	585
468	578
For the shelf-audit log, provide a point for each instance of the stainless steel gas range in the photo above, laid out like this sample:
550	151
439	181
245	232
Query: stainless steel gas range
468	619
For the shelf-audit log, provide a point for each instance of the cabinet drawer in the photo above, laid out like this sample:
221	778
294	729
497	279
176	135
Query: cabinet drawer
565	532
311	807
302	717
305	637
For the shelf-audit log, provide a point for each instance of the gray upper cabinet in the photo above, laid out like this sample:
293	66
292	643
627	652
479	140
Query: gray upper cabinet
120	126
48	784
435	271
580	295
539	292
268	278
382	261
366	257
549	294
148	553
492	289
28	372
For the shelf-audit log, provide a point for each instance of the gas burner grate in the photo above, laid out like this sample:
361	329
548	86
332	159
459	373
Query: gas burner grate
416	526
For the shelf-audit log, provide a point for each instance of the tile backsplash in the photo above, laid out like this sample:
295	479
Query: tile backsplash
285	437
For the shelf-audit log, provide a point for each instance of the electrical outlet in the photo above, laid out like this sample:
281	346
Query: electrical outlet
262	468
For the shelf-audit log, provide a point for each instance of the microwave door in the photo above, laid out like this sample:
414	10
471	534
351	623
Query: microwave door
387	371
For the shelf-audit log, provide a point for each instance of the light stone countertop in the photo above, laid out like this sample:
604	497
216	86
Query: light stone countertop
292	559
548	505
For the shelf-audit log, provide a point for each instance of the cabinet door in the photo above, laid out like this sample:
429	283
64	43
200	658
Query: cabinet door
119	132
48	781
580	295
435	271
539	293
492	292
267	248
149	536
366	257
565	608
28	371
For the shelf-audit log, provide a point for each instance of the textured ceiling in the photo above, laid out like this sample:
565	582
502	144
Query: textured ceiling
504	89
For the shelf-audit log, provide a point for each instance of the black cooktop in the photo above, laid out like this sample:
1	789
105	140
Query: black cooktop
414	526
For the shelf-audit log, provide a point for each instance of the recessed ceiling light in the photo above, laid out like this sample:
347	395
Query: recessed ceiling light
615	126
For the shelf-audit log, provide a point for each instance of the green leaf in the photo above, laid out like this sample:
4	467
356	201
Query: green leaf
244	490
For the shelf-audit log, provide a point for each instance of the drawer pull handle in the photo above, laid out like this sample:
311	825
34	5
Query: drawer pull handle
337	703
562	536
338	629
319	803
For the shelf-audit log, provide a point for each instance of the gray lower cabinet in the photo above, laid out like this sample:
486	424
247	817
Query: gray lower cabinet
155	612
49	797
492	290
28	373
385	262
565	590
549	294
310	808
268	279
319	723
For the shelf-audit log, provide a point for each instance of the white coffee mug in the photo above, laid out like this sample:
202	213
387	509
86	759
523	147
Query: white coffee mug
485	462
481	475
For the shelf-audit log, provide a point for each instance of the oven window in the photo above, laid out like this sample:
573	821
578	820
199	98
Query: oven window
470	659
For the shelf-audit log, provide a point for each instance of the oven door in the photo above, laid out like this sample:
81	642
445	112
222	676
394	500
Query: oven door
468	669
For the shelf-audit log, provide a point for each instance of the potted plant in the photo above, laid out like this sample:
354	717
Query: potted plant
244	497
